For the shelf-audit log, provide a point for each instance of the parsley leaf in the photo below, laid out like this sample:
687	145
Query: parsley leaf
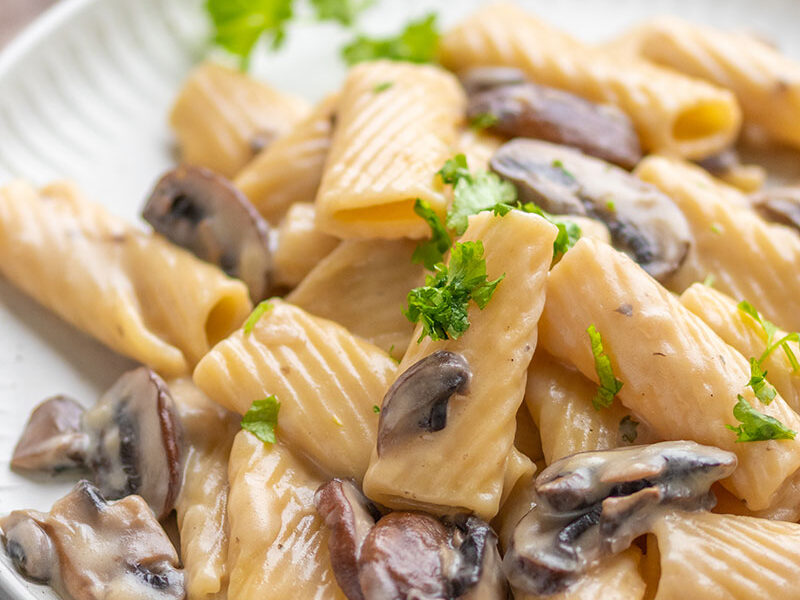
483	120
762	389
257	313
431	251
476	193
416	43
343	11
568	231
441	304
261	419
769	331
756	426
454	169
627	429
239	24
769	328
609	385
376	409
382	87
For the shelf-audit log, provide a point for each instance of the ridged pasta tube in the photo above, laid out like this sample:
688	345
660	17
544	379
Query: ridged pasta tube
462	467
135	292
678	376
672	113
387	147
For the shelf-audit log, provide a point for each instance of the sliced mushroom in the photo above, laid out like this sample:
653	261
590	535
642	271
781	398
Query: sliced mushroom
417	401
779	205
481	79
349	516
203	212
721	163
594	504
135	445
644	223
528	110
52	439
90	549
407	555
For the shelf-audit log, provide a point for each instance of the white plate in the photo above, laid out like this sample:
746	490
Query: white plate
84	95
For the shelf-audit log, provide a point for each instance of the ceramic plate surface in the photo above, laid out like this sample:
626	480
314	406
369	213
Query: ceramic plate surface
84	95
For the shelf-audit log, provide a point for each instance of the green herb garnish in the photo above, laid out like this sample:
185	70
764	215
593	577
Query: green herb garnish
432	251
382	87
482	121
376	409
756	426
343	11
257	313
628	429
475	193
416	43
762	389
609	385
568	231
769	333
558	164
261	419
441	304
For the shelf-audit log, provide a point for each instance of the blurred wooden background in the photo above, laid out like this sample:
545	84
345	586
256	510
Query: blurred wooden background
15	14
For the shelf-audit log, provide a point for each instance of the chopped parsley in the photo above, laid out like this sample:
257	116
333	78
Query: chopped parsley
716	228
611	206
343	11
382	87
769	333
432	251
257	313
756	426
609	385
628	429
261	419
376	409
568	231
441	304
763	390
709	280
558	164
417	43
483	120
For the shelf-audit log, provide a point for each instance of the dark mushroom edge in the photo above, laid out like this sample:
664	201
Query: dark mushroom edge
594	504
779	205
644	223
405	555
520	108
87	548
131	440
203	212
417	401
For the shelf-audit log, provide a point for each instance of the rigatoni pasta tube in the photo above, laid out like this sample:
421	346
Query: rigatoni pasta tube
387	147
222	116
766	82
279	544
462	467
290	169
748	258
202	505
124	287
300	245
677	374
672	113
326	379
741	331
363	285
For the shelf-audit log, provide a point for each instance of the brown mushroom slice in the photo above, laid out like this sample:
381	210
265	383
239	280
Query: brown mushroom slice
349	516
594	504
477	573
52	439
643	222
203	212
528	110
417	400
779	205
481	79
97	549
135	445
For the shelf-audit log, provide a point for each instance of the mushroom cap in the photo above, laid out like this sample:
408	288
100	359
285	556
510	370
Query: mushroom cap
481	79
52	439
417	400
779	205
594	504
28	545
643	222
528	110
136	441
203	212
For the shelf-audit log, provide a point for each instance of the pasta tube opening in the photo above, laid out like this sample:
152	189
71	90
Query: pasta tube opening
222	318
703	120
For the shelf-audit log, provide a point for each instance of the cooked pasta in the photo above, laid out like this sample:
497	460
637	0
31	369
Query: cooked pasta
122	286
290	169
363	286
679	377
202	505
278	545
672	113
221	118
464	465
766	82
386	150
326	379
300	245
748	258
